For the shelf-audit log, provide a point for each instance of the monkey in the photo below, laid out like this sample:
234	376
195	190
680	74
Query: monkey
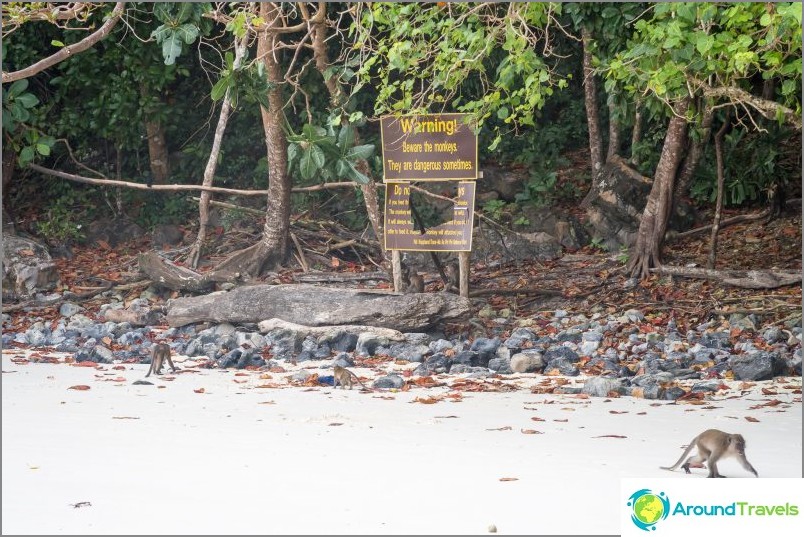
453	278
404	273
160	353
343	376
712	446
416	283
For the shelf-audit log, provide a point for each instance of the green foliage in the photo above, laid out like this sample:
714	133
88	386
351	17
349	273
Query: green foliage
425	55
321	154
752	164
248	80
494	209
623	256
64	219
180	26
26	141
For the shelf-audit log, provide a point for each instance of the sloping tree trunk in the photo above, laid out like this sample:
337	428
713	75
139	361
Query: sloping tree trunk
212	161
272	249
646	253
592	118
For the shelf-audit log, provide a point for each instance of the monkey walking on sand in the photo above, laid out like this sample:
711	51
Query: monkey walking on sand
159	355
343	376
712	446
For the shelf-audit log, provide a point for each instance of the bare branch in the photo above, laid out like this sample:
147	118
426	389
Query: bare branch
70	50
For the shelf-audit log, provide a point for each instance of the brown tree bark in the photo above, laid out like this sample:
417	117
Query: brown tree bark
710	262
646	253
614	132
272	249
212	161
157	152
592	118
694	154
321	56
636	133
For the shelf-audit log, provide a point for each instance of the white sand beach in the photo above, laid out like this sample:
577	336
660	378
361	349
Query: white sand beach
228	452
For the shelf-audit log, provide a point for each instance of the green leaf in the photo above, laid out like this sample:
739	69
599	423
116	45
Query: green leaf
171	46
219	89
28	100
57	43
17	87
342	167
503	113
43	149
187	32
704	43
312	161
26	155
346	136
356	176
360	152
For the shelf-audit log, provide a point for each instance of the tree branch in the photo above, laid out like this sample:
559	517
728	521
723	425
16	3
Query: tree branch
70	50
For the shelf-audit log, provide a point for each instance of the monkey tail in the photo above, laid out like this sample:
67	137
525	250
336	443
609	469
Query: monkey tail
358	380
683	456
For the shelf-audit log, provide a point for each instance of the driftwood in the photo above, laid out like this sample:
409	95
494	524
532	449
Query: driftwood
338	277
740	218
749	279
319	306
320	331
167	274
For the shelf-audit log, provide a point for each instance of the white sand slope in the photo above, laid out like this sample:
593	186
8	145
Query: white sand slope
244	459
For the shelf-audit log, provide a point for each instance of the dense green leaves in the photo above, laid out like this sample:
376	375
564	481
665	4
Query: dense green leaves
318	153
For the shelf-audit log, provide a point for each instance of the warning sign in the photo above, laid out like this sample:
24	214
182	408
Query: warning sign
434	147
452	236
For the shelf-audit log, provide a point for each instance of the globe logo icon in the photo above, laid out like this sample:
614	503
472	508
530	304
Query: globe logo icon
648	508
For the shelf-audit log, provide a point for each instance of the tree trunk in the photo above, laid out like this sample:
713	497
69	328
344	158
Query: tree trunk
614	131
212	162
321	56
696	151
9	163
636	134
592	119
272	249
157	152
646	253
710	263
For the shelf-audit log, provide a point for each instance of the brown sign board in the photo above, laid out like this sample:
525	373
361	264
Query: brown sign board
433	147
452	236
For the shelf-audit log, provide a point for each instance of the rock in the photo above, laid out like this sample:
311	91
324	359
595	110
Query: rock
707	386
68	309
368	342
344	360
485	348
757	366
512	246
409	353
772	335
500	365
27	268
113	231
344	342
601	386
300	376
438	363
389	382
167	235
320	306
467	358
440	345
562	366
520	337
417	338
527	362
459	369
672	393
556	352
230	359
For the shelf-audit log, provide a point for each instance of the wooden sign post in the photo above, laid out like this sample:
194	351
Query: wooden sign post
435	147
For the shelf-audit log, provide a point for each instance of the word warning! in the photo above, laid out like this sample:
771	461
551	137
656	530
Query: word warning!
452	236
435	147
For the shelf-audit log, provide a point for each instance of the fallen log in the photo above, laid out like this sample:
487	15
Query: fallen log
319	306
749	279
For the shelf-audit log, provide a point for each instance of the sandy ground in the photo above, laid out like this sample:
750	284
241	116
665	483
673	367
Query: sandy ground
246	458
